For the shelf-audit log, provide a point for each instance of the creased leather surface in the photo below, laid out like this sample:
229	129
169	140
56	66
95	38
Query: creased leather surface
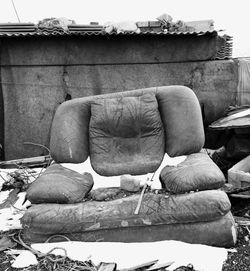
182	120
179	110
197	172
220	233
126	135
60	185
156	209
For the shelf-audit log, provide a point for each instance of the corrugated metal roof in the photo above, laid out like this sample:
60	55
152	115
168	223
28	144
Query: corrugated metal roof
61	32
225	51
32	30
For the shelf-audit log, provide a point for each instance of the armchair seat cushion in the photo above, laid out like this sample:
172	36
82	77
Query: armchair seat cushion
202	217
196	172
58	184
126	135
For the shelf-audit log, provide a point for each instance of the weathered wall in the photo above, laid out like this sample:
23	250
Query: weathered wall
93	50
37	74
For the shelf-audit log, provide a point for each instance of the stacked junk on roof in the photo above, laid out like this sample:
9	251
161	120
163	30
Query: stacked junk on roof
130	166
163	25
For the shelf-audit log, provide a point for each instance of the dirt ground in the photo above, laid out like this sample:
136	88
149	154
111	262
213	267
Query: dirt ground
240	260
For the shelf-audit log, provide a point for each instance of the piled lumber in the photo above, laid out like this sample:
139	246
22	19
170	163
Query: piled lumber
38	161
85	27
17	27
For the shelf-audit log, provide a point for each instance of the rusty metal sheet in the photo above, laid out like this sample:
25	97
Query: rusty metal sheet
240	119
83	32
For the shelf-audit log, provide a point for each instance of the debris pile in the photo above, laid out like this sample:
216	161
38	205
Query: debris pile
165	23
17	27
236	150
55	22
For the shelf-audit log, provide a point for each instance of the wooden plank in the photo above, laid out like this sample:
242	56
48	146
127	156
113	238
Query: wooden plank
140	266
11	199
240	196
160	266
27	162
242	221
203	25
239	190
107	267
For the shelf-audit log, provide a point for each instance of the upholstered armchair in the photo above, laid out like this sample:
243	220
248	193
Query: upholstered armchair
129	133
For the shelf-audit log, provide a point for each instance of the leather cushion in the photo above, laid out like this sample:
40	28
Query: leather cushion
126	135
197	172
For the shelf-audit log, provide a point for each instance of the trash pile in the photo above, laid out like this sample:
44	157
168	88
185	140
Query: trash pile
163	23
235	152
157	202
55	22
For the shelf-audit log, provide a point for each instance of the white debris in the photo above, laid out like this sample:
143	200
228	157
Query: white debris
202	257
114	181
24	259
4	195
10	217
121	27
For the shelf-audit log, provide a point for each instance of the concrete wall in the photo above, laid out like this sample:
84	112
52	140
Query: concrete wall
38	74
93	50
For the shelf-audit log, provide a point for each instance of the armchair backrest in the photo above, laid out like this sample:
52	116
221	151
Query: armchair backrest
128	132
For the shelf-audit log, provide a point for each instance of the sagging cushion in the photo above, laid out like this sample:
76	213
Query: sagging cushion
221	232
126	135
197	172
60	185
156	209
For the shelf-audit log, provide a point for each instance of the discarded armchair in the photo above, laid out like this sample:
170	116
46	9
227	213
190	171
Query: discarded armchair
129	133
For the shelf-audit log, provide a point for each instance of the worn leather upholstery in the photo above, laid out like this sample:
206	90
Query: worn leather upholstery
178	107
129	133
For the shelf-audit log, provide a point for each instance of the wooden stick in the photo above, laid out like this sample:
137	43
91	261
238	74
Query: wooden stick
28	162
142	193
242	221
238	190
140	199
159	266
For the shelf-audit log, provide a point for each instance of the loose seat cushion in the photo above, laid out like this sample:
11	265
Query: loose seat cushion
126	135
60	185
196	172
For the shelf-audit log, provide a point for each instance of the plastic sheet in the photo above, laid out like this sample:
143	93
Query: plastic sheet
244	82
